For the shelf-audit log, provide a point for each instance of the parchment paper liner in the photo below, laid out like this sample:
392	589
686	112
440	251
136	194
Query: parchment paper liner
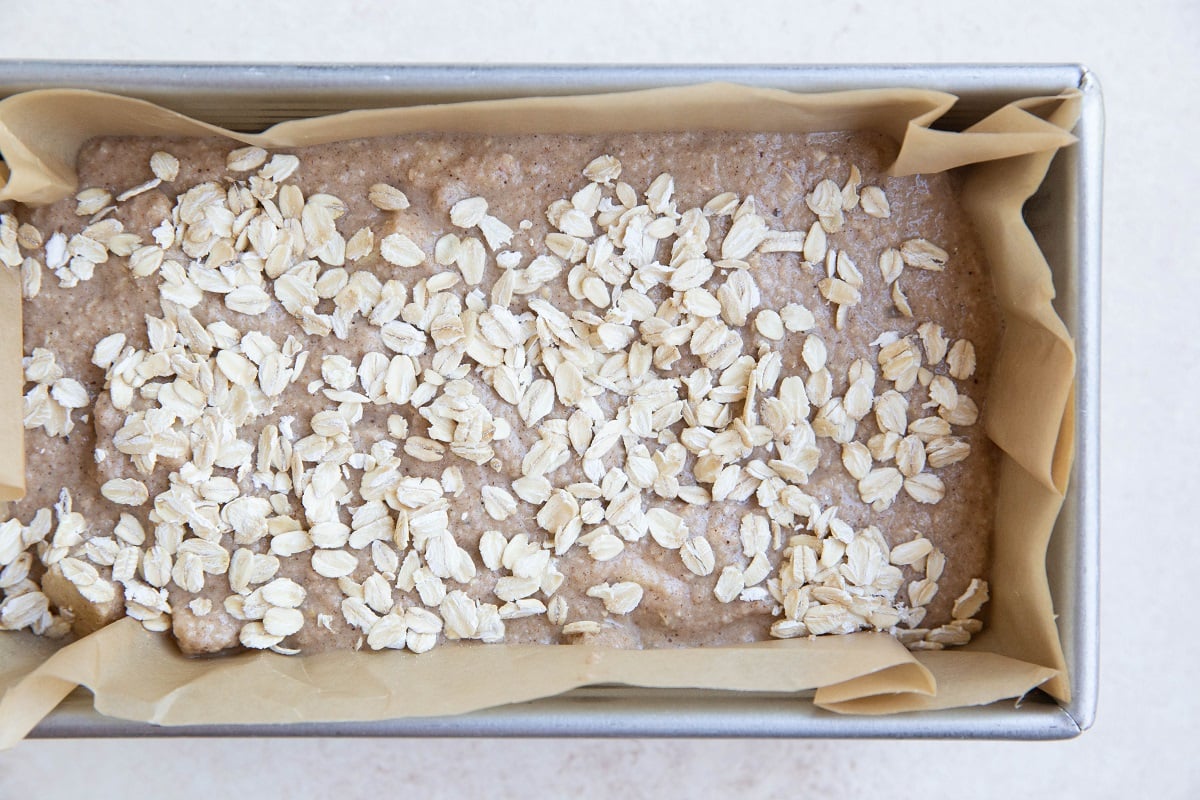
140	676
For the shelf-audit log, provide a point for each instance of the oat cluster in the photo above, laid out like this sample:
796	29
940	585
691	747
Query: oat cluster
648	384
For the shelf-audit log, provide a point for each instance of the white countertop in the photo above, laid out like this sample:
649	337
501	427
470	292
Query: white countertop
1146	57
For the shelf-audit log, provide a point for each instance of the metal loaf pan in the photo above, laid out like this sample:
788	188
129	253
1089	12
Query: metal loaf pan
1064	216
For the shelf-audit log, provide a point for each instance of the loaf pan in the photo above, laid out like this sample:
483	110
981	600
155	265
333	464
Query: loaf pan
1064	216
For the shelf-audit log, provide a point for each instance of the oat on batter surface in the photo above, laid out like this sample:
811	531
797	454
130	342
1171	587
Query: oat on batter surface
641	390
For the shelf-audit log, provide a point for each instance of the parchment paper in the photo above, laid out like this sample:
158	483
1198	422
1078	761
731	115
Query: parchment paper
141	676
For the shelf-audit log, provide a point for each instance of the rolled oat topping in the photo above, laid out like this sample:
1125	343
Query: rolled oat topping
664	413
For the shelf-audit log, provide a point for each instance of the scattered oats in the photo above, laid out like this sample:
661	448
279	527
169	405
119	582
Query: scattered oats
533	489
447	249
86	580
107	350
755	534
934	342
334	563
603	169
244	159
901	363
875	202
574	222
814	352
667	528
947	635
900	300
291	543
283	593
858	398
823	619
91	201
923	254
469	213
746	234
922	592
491	549
210	556
556	610
729	585
128	194
946	450
796	318
357	614
815	245
377	593
819	387
495	233
971	601
164	166
254	635
527	607
961	360
123	244
338	372
31	278
788	629
879	487
910	456
27	237
910	553
964	413
769	324
424	449
891	264
401	251
390	632
236	367
498	504
825	200
279	168
403	338
618	598
925	488
145	261
943	392
248	299
690	438
722	205
537	402
697	556
754	574
848	271
387	198
838	292
850	197
397	426
511	259
125	491
11	542
69	393
934	565
282	622
359	246
605	547
856	458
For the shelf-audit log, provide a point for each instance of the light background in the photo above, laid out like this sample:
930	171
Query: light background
1146	57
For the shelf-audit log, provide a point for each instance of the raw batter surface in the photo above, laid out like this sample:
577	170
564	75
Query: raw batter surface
645	390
